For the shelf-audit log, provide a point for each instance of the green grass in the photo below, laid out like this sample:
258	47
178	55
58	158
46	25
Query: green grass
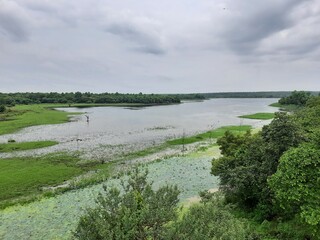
22	116
287	108
10	147
26	176
26	179
219	132
144	152
262	116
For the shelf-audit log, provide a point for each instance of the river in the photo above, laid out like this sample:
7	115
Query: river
113	130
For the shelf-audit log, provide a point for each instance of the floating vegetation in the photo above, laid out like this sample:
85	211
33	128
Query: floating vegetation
62	212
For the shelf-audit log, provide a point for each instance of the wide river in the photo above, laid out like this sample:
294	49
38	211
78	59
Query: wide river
119	129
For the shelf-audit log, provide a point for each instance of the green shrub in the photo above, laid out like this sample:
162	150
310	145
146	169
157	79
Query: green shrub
211	219
138	213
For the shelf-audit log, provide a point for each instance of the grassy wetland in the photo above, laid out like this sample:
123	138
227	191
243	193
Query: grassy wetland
52	184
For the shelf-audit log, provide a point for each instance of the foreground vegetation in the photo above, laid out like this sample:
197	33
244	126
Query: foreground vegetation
21	146
25	177
143	213
272	176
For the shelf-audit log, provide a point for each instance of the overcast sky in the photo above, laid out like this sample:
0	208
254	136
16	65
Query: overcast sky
162	46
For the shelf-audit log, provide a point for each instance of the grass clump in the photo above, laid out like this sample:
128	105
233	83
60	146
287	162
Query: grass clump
13	146
261	116
216	133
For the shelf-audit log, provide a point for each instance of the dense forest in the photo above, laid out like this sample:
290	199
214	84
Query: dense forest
10	99
87	97
269	189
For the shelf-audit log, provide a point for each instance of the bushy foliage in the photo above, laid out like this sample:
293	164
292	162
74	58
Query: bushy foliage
297	183
138	213
309	116
249	160
299	98
276	173
210	219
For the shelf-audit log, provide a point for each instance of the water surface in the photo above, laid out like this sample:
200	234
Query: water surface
120	129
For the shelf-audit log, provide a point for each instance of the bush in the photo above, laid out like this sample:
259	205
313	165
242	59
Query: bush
138	213
210	219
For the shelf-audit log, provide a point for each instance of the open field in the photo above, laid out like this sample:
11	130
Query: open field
13	146
26	176
262	116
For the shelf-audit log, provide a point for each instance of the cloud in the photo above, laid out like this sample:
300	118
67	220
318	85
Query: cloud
143	34
301	40
13	21
248	23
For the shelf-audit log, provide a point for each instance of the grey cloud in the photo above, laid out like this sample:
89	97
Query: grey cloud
143	40
12	26
250	25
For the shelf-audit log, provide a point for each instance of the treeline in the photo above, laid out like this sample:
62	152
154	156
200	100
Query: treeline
279	94
87	97
274	175
299	98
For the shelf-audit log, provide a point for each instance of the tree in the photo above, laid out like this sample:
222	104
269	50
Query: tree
299	98
297	183
2	108
138	213
280	135
249	161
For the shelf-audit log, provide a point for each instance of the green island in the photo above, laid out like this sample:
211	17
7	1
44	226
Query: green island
266	178
262	116
216	133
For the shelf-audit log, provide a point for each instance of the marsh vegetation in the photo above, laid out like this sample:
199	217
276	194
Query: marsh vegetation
96	156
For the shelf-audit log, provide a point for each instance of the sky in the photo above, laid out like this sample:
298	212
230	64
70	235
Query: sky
167	46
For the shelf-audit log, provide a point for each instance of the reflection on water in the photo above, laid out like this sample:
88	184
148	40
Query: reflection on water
119	126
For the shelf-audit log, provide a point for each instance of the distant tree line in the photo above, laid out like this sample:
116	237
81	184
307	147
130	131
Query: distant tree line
87	97
10	99
276	94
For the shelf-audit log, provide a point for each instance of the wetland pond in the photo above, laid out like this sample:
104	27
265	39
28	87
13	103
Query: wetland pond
118	130
57	217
